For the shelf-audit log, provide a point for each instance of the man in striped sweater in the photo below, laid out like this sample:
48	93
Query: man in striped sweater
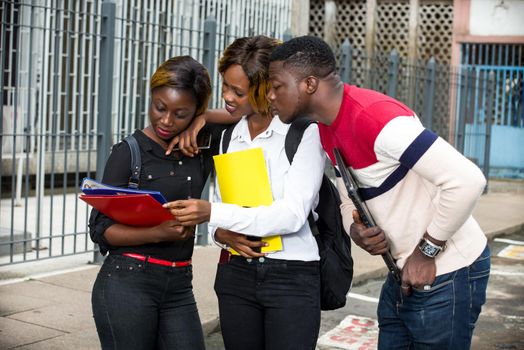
419	189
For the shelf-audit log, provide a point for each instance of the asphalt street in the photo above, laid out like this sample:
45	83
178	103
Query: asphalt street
500	326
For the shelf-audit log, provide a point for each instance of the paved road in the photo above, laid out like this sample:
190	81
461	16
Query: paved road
500	326
46	304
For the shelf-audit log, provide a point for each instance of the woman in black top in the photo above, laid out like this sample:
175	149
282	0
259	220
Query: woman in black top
143	297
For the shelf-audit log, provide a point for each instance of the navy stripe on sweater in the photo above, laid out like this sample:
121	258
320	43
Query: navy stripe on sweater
411	155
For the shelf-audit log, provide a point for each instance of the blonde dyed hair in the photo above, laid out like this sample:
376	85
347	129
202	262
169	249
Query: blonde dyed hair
252	54
185	73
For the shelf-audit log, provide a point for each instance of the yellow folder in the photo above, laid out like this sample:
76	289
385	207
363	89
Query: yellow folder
243	180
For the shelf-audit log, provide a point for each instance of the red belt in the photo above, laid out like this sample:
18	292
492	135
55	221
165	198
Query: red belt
158	261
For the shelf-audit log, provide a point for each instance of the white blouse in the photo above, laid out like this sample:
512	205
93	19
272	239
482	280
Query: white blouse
295	191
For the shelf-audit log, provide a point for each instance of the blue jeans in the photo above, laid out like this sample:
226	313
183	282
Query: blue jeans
137	305
442	318
269	305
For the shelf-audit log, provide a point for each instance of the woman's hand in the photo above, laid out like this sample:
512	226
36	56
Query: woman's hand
187	139
172	230
190	212
240	243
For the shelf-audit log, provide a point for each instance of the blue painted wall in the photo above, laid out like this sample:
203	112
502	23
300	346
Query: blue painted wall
507	147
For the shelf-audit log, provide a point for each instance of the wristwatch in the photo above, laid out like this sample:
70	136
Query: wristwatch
429	248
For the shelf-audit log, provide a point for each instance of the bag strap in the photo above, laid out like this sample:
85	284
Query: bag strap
226	137
136	162
291	143
294	136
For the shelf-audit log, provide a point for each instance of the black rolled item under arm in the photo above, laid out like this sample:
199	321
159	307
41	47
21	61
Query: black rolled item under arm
363	211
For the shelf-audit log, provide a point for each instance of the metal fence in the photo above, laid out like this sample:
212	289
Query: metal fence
505	64
426	87
74	80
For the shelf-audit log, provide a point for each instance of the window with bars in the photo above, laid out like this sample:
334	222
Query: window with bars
506	62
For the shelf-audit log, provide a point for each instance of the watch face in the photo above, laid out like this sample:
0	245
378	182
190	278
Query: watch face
428	249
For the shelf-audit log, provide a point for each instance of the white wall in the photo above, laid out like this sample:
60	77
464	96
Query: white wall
496	17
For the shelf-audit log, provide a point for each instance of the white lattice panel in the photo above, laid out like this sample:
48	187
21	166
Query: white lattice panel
435	25
392	27
316	18
351	22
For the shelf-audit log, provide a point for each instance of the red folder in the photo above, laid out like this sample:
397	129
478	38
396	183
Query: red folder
130	209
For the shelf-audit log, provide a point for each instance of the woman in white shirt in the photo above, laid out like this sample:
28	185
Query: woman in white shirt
266	301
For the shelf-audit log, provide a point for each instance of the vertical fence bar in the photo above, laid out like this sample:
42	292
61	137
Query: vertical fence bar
208	58
11	101
28	131
3	55
429	93
287	35
345	61
105	86
463	90
55	41
105	83
470	115
393	73
489	118
67	135
209	47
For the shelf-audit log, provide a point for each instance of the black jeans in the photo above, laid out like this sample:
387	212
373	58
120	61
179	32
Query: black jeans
137	305
268	304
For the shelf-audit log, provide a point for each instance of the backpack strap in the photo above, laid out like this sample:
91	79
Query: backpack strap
226	137
294	136
293	139
136	162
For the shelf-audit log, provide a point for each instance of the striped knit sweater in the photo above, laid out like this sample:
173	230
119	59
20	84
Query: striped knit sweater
412	180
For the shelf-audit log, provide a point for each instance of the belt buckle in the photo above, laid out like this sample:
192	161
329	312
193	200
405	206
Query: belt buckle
173	264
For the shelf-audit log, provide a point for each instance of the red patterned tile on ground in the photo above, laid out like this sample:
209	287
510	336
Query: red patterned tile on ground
353	333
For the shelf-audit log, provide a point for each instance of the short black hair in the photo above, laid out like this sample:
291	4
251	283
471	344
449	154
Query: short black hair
307	55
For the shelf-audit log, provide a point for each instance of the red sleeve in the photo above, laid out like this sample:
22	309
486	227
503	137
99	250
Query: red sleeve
326	140
359	144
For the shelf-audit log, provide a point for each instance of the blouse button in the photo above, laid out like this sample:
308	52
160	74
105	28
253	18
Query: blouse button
149	177
171	173
180	162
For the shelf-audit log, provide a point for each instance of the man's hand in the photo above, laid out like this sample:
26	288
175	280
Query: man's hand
373	240
190	212
239	243
419	271
171	230
187	139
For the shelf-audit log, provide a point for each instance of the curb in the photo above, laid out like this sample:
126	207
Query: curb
370	275
505	231
210	326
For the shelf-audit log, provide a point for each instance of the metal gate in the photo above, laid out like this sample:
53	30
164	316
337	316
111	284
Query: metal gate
494	119
73	79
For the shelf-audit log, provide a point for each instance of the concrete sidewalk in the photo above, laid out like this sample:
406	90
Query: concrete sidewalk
53	310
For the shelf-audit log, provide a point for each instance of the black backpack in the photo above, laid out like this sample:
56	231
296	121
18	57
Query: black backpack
334	244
